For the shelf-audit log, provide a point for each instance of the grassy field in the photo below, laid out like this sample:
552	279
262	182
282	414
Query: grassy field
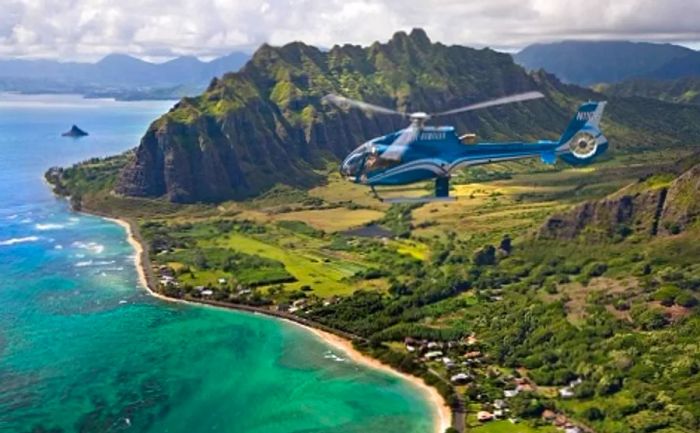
505	426
323	273
331	220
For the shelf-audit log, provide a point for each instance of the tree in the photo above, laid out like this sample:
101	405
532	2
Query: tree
506	244
686	300
485	256
592	413
525	406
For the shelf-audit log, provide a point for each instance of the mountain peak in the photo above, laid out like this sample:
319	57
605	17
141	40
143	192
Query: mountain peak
419	37
116	58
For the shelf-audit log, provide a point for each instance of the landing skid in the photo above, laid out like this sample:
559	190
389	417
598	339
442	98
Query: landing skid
418	200
442	191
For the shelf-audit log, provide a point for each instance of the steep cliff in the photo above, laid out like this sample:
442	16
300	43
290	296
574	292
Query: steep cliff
656	206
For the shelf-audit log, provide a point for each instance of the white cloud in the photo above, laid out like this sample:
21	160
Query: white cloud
89	29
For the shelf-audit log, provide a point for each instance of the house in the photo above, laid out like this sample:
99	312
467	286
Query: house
433	355
572	429
448	362
566	392
524	387
410	348
510	393
560	421
207	292
222	280
498	413
473	355
433	345
297	305
471	340
460	378
499	404
484	416
548	415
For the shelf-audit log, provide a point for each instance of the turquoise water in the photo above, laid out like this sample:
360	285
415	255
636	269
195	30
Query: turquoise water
84	349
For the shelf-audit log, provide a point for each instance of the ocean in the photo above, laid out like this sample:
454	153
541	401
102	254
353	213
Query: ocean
83	348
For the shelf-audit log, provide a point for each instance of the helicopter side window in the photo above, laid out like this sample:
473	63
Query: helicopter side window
374	163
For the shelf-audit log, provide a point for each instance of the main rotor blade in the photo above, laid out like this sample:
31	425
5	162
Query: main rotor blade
343	102
519	97
396	149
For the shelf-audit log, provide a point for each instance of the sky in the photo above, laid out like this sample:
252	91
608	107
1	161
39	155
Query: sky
159	29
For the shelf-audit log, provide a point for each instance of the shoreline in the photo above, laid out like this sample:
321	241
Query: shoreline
441	411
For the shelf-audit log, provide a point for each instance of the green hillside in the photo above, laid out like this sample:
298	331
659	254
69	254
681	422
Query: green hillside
682	90
266	124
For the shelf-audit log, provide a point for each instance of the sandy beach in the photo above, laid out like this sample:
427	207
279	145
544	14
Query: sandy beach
442	412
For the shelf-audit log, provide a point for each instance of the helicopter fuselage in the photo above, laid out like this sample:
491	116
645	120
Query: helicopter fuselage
436	152
420	152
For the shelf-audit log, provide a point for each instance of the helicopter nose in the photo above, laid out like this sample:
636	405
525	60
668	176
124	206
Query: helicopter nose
348	169
352	165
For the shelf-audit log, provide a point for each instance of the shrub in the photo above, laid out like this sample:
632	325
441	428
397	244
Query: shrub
651	319
596	269
485	256
667	295
686	300
592	413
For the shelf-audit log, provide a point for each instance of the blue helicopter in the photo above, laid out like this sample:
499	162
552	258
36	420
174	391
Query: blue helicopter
419	152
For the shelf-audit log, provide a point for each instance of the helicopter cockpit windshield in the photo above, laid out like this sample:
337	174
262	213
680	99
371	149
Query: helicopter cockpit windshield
354	163
364	160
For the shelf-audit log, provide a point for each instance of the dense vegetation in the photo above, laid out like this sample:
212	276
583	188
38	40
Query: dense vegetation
549	274
684	90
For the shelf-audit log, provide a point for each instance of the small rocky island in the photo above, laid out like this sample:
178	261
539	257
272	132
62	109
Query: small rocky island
74	132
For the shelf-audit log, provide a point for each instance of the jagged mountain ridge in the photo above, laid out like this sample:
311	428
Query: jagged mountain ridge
266	124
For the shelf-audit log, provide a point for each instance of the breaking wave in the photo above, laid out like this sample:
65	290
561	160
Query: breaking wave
13	241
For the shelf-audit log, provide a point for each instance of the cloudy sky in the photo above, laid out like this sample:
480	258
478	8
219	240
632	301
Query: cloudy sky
157	29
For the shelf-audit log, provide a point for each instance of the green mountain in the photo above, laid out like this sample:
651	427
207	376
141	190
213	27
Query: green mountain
586	63
266	124
657	205
682	90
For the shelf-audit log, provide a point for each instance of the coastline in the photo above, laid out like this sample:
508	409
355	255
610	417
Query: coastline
441	411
